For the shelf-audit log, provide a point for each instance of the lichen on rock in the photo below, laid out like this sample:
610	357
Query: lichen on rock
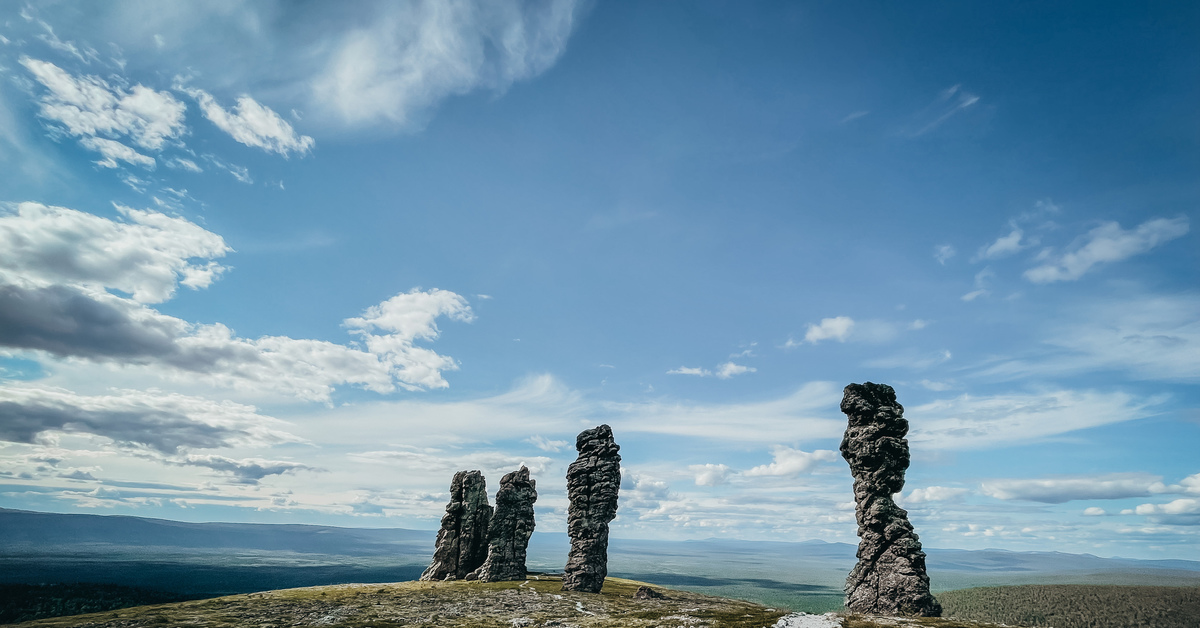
461	545
890	576
510	529
593	481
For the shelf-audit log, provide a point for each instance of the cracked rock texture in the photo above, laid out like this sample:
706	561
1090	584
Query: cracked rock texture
461	545
511	527
890	577
592	484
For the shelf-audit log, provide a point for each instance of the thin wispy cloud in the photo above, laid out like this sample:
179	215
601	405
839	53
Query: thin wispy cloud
1106	244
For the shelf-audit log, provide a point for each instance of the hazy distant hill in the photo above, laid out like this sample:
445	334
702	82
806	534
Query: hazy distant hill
222	558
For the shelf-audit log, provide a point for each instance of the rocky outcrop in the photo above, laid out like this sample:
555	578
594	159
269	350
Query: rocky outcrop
511	527
592	484
890	576
461	545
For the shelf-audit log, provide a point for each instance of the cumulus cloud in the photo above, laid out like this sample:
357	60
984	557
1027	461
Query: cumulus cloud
166	423
253	124
1058	490
406	318
1105	244
837	328
710	474
58	264
729	369
1183	511
146	254
89	107
935	494
413	55
792	462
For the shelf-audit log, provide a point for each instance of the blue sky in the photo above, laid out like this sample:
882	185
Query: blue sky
271	262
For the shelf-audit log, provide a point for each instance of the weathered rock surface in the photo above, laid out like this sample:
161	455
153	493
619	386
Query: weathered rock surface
890	576
461	545
592	484
511	527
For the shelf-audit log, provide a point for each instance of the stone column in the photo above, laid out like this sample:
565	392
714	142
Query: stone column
592	484
461	545
512	525
890	577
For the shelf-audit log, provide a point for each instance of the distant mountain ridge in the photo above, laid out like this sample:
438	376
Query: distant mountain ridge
220	558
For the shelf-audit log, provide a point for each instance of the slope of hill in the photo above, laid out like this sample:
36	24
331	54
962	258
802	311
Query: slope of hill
535	602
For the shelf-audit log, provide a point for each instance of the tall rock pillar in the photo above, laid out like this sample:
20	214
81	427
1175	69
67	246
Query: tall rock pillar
512	525
592	484
890	577
461	545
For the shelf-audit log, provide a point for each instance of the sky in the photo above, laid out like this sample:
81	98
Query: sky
300	262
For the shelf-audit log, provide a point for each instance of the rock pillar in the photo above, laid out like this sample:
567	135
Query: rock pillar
890	577
511	527
592	484
461	545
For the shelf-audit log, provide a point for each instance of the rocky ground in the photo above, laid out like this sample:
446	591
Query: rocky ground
537	602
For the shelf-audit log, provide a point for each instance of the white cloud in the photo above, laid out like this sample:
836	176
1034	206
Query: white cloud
1184	511
806	413
943	252
1182	506
161	422
1108	243
710	474
253	124
723	371
968	421
1093	511
981	281
950	102
546	444
1003	246
58	264
244	470
792	462
837	328
690	370
935	494
240	173
112	151
179	163
406	318
1154	337
145	255
413	55
88	107
492	463
729	369
1057	490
